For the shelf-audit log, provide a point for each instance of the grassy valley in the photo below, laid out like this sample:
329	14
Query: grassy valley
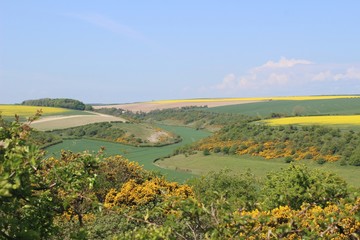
238	171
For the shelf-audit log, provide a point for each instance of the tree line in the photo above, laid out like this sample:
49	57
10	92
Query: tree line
58	102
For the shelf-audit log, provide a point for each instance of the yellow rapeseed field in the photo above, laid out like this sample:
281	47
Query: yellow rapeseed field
26	111
318	120
295	98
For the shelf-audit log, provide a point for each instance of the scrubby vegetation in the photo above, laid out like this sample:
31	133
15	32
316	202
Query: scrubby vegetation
322	144
58	102
89	196
194	117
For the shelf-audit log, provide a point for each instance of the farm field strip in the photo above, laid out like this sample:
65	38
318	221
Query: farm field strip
344	106
214	103
149	106
319	120
62	122
26	111
294	98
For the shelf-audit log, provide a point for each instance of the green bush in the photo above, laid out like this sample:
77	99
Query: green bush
298	184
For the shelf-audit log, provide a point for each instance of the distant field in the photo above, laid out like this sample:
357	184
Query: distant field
200	164
292	98
61	122
27	111
213	102
144	155
55	118
344	106
158	105
341	121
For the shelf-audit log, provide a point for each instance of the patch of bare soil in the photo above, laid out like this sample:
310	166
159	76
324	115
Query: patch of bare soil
158	136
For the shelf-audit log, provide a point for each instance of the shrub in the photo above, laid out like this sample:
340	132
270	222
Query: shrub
206	152
297	185
288	159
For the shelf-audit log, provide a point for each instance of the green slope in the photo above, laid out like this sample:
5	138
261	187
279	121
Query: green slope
143	155
303	107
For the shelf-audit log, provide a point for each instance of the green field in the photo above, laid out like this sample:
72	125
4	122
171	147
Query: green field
199	164
343	106
143	155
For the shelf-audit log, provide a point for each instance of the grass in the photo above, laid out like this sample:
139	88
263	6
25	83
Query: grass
200	164
344	106
144	155
293	98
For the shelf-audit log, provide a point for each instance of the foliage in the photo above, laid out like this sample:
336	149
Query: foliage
297	185
39	195
101	130
334	221
25	199
35	191
114	171
44	139
298	142
57	102
355	157
195	117
74	175
126	133
150	191
191	219
240	190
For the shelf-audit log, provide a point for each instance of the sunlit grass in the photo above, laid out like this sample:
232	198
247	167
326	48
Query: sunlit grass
26	111
295	98
318	120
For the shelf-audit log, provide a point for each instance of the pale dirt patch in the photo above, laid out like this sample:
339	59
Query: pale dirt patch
157	136
149	106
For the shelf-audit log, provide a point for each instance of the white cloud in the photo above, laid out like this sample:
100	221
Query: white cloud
291	77
284	63
229	81
351	73
321	76
278	79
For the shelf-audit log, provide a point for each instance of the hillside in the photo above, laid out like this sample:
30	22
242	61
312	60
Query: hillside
241	154
219	102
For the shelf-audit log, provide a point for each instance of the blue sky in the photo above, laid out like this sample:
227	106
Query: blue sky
129	51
